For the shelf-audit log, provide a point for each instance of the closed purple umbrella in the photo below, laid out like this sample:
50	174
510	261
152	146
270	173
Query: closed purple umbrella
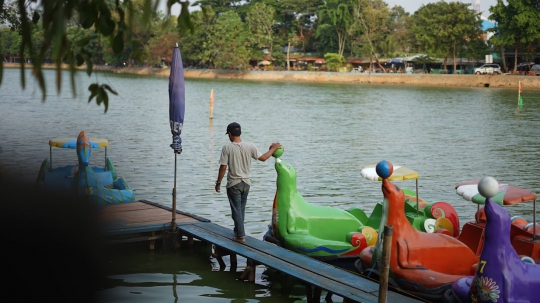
177	104
177	99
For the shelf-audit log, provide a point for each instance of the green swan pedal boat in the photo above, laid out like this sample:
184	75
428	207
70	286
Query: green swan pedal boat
332	234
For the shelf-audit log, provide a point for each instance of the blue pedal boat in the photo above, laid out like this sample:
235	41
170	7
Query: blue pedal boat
99	184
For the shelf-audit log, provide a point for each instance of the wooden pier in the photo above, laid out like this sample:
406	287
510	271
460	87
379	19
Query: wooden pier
146	221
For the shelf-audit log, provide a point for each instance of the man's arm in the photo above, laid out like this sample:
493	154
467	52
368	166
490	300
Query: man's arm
275	146
222	170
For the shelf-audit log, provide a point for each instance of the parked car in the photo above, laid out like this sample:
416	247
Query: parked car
488	69
536	69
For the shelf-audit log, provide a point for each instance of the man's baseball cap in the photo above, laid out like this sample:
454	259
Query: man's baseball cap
234	129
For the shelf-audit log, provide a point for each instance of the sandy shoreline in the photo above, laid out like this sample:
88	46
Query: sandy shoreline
494	81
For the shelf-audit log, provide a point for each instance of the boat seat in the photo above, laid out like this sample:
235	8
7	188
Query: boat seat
472	235
526	246
104	178
57	181
359	214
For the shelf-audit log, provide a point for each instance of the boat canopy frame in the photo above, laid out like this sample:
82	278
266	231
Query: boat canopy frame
71	143
400	173
519	196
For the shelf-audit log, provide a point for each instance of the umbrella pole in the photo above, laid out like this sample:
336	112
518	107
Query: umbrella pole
173	221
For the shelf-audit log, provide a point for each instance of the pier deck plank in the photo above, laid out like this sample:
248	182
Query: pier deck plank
139	216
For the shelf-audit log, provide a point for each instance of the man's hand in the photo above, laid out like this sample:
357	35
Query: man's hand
221	173
275	146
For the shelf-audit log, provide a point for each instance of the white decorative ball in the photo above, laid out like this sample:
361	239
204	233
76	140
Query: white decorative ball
488	187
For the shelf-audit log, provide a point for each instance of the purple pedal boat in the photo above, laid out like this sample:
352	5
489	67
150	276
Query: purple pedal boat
502	276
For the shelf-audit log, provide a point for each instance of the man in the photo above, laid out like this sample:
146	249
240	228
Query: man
237	156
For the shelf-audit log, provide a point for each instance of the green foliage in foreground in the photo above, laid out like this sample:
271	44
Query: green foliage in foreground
66	31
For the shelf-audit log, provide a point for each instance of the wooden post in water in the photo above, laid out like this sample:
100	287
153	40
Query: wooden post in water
212	103
385	263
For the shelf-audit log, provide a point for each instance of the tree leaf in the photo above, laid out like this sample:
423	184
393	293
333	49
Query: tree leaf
80	59
147	11
35	17
41	81
105	97
89	65
121	13
184	19
106	24
169	4
109	89
99	96
118	42
23	79
58	76
71	61
93	88
87	14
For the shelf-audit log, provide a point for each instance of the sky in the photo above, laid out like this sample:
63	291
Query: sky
409	5
413	5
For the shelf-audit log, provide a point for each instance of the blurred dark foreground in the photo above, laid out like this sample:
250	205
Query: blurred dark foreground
52	250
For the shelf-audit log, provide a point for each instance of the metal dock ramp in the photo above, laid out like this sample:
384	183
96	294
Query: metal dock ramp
144	221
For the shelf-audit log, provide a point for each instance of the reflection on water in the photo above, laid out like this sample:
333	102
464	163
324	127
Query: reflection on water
188	276
330	131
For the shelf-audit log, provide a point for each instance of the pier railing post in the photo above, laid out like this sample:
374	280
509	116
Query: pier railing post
249	271
385	263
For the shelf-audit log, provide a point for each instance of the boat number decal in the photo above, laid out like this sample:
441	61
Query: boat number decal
482	265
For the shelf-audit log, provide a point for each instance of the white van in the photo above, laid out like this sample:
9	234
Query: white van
488	69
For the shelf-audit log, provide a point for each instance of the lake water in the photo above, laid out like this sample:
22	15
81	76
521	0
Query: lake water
329	131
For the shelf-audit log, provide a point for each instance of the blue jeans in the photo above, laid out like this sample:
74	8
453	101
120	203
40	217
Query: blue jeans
237	195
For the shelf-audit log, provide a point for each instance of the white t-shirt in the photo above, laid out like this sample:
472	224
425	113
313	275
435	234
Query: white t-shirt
237	156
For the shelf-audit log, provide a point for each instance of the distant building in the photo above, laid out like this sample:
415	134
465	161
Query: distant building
293	49
486	25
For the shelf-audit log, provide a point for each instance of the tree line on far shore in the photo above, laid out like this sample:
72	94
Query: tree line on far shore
228	34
